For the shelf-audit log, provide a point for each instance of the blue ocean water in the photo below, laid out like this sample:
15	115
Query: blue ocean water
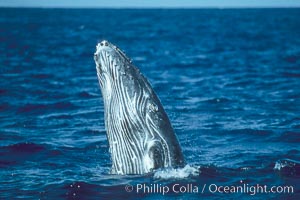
228	79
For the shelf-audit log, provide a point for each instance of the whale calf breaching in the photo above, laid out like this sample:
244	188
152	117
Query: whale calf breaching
138	129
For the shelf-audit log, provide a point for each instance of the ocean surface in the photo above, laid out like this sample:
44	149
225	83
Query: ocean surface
228	79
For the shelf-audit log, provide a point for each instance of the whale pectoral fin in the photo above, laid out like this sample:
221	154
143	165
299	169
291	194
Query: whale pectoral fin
157	157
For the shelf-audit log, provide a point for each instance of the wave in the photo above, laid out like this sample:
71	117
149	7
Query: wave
20	152
26	147
41	108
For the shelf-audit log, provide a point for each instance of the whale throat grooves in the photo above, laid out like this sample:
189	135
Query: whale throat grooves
139	132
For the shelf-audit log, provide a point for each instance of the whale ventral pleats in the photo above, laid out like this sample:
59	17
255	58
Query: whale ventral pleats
139	132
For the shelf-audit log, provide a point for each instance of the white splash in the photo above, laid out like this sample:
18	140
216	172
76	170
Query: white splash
179	173
279	165
284	163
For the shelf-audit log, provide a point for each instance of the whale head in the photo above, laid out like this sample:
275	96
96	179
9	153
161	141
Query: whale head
139	132
110	59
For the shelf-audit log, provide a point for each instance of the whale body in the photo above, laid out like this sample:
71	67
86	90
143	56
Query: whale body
141	138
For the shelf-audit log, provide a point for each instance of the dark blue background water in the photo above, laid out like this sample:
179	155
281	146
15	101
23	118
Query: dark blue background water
228	79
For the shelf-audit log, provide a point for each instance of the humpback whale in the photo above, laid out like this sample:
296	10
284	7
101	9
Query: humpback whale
140	135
